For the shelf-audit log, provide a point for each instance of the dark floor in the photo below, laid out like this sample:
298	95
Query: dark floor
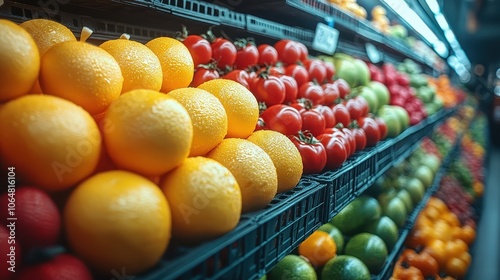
486	249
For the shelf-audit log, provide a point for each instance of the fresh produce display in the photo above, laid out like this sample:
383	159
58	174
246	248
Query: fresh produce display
438	245
130	154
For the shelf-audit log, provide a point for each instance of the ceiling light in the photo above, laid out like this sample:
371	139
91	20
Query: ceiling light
452	61
441	49
433	5
442	21
498	73
412	19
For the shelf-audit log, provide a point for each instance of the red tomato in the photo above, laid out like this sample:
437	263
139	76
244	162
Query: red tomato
330	70
199	48
336	152
343	86
224	52
313	153
202	75
360	137
328	115
288	51
276	71
316	70
267	55
364	106
270	90
291	88
298	72
312	121
342	114
350	138
354	108
304	52
282	118
247	54
371	130
238	75
382	128
330	93
312	92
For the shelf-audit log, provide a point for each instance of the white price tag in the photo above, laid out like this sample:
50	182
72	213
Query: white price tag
373	53
325	39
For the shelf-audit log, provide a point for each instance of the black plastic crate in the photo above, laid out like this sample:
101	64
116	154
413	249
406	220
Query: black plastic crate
385	156
203	11
365	167
278	31
324	9
231	256
285	226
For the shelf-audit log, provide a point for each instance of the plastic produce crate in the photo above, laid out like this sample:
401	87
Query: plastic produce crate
285	227
203	11
364	167
279	31
385	156
260	240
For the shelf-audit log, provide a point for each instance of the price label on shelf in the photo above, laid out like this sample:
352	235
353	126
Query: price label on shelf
373	53
325	39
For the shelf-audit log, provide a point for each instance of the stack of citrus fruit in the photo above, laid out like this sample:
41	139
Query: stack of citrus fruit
136	156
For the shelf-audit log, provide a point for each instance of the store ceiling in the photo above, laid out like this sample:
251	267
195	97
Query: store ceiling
476	24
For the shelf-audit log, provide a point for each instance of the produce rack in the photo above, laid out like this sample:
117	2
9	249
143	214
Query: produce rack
387	269
264	237
271	20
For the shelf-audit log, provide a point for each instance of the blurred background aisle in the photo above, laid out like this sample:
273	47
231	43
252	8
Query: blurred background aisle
486	250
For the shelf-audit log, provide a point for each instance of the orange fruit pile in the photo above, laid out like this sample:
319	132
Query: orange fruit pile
132	156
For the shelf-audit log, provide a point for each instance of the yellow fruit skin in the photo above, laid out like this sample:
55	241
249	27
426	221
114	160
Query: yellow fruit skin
82	73
47	33
204	198
50	141
208	116
118	219
19	61
241	106
176	62
285	156
141	68
147	132
253	169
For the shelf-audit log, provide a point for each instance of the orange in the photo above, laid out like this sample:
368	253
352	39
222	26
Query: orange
141	68
253	169
118	219
450	218
176	62
51	141
438	204
82	73
318	248
147	132
241	106
208	116
456	267
283	153
47	33
467	234
437	249
19	61
204	197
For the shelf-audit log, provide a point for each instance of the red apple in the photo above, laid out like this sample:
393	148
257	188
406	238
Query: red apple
38	221
61	267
